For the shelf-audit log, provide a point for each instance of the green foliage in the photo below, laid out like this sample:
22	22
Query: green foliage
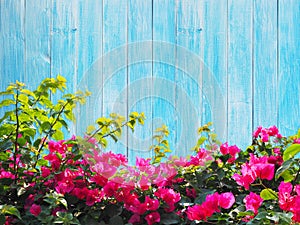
162	145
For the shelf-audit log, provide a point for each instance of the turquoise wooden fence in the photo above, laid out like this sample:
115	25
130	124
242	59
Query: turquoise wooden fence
183	63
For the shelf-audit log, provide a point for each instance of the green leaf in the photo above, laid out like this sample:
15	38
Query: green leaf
2	219
42	162
58	135
291	151
23	98
285	166
46	126
287	176
11	210
170	218
116	220
7	102
268	194
90	129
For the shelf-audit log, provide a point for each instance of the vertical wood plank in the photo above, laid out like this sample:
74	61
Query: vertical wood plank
89	71
164	84
139	87
114	81
188	74
37	36
289	66
64	45
240	26
215	75
265	104
12	42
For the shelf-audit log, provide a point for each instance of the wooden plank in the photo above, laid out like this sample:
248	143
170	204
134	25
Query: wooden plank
289	66
240	26
114	65
188	75
89	71
12	42
265	104
214	56
37	36
64	45
139	87
164	67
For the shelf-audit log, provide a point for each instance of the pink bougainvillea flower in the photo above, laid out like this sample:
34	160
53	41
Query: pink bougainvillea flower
35	209
253	202
141	162
265	133
169	196
296	210
151	204
58	146
93	196
191	192
212	204
110	188
285	199
196	212
54	160
231	150
135	218
248	176
256	168
226	200
45	171
152	218
202	157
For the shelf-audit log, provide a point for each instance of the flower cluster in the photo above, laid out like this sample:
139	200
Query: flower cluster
213	203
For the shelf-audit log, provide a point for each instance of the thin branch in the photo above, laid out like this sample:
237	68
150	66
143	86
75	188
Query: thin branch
47	135
17	136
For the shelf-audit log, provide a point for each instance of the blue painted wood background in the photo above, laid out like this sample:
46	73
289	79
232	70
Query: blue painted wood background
183	63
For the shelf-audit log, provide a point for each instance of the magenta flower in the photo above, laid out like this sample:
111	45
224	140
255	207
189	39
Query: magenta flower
256	168
135	218
151	204
197	212
35	209
202	157
152	218
285	199
253	202
226	200
231	150
169	196
212	204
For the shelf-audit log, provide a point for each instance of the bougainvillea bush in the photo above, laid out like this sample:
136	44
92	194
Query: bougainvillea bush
46	178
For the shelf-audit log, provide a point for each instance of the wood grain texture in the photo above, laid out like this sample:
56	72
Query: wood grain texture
90	62
184	63
289	66
139	87
214	55
37	25
115	66
189	76
164	65
12	42
240	28
265	83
